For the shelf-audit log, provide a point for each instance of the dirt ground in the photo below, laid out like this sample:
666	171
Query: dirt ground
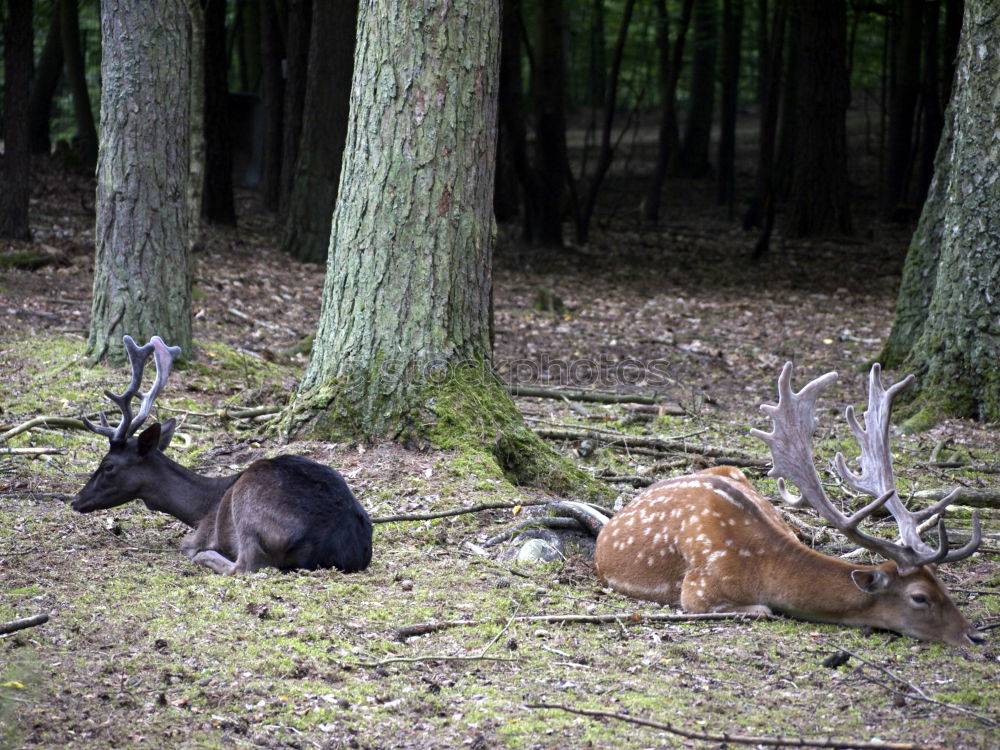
142	649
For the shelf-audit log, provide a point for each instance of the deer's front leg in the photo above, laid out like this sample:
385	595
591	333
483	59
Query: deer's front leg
213	560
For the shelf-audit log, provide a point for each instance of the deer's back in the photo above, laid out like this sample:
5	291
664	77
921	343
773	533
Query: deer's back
302	514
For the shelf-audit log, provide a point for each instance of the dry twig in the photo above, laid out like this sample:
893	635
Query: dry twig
737	738
408	631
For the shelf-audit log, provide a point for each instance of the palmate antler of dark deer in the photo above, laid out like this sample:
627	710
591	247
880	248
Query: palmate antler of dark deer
164	357
794	418
286	512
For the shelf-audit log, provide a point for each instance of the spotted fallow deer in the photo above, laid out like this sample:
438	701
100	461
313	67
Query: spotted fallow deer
710	542
285	512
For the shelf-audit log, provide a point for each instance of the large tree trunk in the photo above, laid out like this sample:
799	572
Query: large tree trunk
403	344
217	203
43	87
142	278
956	353
86	132
693	158
819	182
324	131
549	94
15	164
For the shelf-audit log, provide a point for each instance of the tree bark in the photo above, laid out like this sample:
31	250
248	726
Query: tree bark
196	122
955	356
273	97
819	181
142	278
403	345
902	105
86	132
297	55
217	202
732	34
670	61
549	100
693	159
585	211
43	87
324	131
15	164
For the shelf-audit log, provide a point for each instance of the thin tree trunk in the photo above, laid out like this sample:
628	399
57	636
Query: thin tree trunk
273	96
549	94
902	105
324	131
142	277
217	204
512	115
86	132
668	140
819	183
43	87
693	158
606	153
196	123
15	165
732	34
299	23
760	212
933	112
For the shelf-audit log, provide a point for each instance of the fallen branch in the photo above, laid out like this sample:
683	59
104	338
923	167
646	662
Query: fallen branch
423	628
916	693
24	622
659	444
735	738
989	498
556	523
50	421
456	511
598	397
30	451
416	659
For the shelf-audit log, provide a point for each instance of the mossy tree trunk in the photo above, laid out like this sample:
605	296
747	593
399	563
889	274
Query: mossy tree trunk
953	269
142	278
403	344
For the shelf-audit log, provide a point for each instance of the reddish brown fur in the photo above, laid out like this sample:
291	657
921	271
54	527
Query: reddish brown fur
711	543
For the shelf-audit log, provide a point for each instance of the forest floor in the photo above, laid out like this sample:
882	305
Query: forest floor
145	650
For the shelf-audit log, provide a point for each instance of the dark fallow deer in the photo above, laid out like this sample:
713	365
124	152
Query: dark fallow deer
710	542
286	512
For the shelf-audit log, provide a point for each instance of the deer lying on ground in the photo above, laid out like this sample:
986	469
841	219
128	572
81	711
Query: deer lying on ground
286	512
710	542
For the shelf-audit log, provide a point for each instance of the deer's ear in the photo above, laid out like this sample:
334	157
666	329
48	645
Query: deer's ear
870	581
167	433
150	438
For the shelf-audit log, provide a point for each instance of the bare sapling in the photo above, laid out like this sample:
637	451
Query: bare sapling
285	512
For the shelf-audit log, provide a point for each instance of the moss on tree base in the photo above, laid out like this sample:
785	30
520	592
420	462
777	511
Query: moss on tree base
465	409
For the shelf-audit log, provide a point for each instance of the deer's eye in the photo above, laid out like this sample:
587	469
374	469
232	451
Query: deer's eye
919	599
108	469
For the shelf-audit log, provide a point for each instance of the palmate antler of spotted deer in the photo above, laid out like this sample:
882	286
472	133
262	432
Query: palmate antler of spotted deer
710	542
287	512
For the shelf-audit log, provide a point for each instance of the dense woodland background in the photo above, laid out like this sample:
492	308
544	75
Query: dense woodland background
687	194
